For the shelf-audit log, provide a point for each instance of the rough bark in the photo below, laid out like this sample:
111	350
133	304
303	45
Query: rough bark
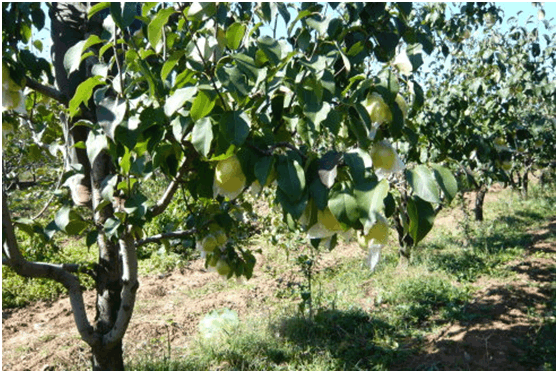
479	203
116	270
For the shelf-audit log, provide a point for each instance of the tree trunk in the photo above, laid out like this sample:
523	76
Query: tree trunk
104	358
525	184
479	202
542	179
69	25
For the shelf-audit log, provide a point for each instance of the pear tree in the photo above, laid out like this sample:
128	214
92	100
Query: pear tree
311	101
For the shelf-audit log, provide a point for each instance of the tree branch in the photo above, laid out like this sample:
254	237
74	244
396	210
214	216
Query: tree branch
47	91
171	189
168	235
57	272
269	150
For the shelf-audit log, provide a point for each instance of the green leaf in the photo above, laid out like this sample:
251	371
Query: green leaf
333	122
156	26
418	95
170	63
327	167
73	57
180	126
346	62
202	105
96	143
97	8
282	8
319	193
202	135
358	161
38	44
199	10
111	227
271	48
178	98
91	238
360	128
421	218
123	17
262	168
319	26
233	79
414	52
290	178
83	93
146	7
136	205
370	197
446	181
125	162
422	180
344	207
235	127
293	208
110	113
235	34
317	113
302	14
68	221
389	86
247	65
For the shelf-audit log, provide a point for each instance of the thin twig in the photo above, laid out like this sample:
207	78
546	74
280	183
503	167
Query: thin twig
51	198
118	62
269	150
205	65
168	235
171	189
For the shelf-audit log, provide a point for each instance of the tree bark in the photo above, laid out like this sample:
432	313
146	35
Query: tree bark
68	27
479	203
116	270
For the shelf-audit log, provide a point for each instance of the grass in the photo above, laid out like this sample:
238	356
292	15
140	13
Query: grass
361	320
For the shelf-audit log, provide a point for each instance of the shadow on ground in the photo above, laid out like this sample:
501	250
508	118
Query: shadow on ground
510	325
352	338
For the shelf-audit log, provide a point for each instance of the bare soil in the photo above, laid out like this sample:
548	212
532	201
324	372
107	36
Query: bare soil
169	307
503	318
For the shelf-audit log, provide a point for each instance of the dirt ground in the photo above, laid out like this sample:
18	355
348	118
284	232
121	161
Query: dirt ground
502	316
43	336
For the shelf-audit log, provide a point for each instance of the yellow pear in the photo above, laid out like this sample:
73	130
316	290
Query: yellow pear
222	267
506	165
377	108
383	156
229	178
